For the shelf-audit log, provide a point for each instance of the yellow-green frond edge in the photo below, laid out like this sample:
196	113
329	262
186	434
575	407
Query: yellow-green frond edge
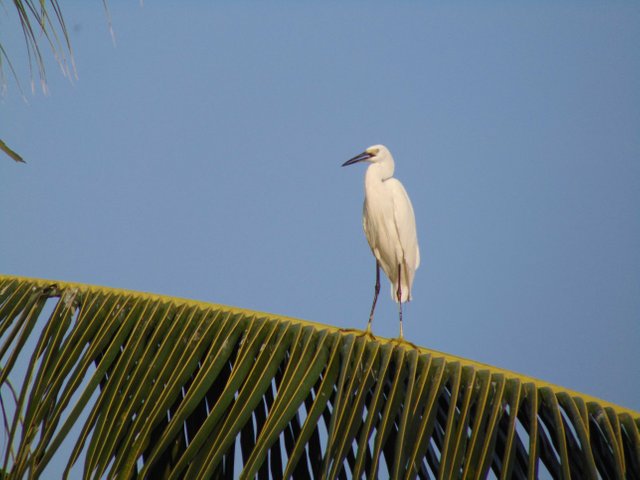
162	387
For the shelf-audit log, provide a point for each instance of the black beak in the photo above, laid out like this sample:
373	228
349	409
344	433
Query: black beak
358	158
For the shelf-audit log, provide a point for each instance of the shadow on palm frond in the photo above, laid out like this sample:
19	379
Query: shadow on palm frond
157	387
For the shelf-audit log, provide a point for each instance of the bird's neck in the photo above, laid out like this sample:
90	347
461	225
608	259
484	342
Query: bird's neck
378	172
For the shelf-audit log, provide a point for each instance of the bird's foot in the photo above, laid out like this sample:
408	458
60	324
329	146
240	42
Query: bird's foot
403	341
359	333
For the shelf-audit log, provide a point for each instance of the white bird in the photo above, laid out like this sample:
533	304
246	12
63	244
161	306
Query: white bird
390	226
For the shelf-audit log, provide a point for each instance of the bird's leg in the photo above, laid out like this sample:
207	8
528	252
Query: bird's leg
375	296
400	300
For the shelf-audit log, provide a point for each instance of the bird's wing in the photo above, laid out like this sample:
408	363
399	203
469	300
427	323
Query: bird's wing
405	221
371	227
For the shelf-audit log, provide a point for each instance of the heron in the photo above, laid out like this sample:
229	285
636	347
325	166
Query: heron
389	225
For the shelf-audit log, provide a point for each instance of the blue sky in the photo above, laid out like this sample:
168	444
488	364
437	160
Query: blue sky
200	157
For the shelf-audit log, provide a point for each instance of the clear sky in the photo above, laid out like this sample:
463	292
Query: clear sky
200	157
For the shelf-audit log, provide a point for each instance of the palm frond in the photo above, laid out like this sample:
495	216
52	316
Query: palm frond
157	387
5	148
39	19
42	19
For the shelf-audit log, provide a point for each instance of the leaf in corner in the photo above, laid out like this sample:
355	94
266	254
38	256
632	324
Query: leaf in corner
11	153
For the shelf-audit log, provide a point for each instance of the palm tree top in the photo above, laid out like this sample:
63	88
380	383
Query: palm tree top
171	387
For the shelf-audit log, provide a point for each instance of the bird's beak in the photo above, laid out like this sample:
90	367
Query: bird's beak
358	158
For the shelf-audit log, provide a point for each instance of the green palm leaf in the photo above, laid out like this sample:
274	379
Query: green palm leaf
5	148
157	387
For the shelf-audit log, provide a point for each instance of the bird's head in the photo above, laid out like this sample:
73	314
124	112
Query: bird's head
373	154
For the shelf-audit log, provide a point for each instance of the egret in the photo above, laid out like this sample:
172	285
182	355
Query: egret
389	225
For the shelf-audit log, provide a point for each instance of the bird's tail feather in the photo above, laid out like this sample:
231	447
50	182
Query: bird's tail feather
405	292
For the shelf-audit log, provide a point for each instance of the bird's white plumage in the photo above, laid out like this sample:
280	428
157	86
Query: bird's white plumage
389	222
